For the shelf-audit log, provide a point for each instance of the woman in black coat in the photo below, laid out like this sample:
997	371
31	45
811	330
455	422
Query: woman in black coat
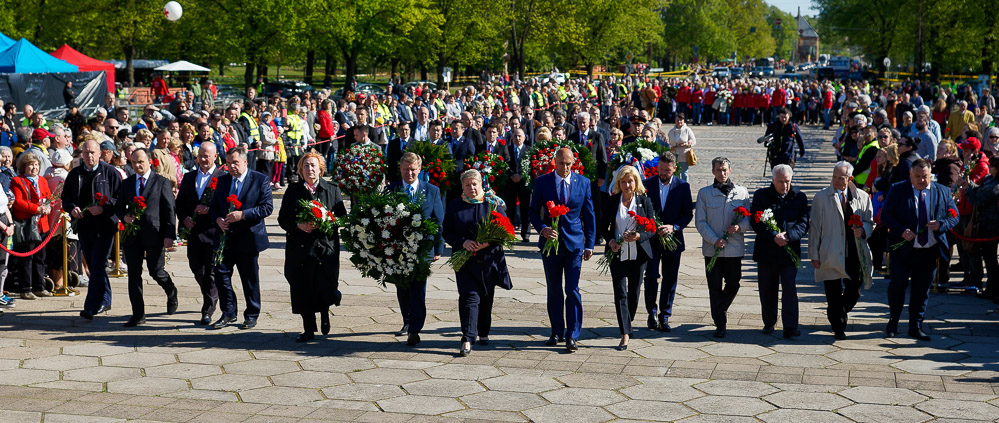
628	269
312	259
478	278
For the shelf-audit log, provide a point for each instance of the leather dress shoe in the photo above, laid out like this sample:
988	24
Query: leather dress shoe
892	329
570	345
305	337
665	327
792	333
135	321
404	331
768	329
720	333
324	326
103	309
553	341
86	315
413	339
919	334
839	336
483	340
205	320
172	302
653	325
464	352
249	324
223	322
623	347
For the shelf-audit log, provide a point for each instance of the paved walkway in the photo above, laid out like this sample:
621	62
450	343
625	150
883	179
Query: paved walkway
56	367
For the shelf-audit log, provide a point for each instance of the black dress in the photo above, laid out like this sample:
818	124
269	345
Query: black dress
312	260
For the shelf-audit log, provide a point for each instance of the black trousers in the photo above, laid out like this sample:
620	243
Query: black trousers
519	215
199	257
309	321
668	264
135	252
413	305
723	285
841	296
771	278
30	270
266	167
920	266
626	277
975	273
475	306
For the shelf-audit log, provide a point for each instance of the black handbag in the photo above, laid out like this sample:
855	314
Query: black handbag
26	231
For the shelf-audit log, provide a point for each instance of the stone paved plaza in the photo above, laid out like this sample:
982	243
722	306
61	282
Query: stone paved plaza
57	367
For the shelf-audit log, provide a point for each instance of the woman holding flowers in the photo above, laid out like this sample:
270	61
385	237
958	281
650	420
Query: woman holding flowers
624	225
31	203
478	277
721	216
312	257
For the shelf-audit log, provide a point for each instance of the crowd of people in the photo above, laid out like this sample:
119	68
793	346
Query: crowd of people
913	181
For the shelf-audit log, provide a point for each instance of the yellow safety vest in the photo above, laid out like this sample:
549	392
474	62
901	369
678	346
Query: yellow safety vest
862	177
539	100
252	130
294	133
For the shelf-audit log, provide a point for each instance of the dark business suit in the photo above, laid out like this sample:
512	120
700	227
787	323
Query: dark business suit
518	191
597	144
677	211
413	299
500	149
396	147
475	136
626	276
775	266
478	278
156	224
96	232
577	232
201	238
460	148
900	212
246	239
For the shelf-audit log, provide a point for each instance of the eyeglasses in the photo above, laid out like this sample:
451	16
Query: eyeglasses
992	137
883	137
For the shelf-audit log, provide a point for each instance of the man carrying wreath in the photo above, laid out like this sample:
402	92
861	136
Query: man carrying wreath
575	237
918	214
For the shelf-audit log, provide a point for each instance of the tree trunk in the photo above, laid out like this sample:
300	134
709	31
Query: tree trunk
221	69
423	71
310	63
129	69
440	70
328	69
248	75
589	70
919	54
350	59
395	68
261	72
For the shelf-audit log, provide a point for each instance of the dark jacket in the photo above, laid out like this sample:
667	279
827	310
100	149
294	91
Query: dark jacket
393	155
248	236
597	145
791	215
899	213
312	260
159	221
79	189
948	171
487	265
204	229
608	222
985	198
786	137
679	210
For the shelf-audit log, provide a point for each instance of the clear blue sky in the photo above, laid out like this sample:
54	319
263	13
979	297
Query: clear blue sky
791	6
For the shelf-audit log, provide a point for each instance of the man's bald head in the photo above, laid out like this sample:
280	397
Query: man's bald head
564	160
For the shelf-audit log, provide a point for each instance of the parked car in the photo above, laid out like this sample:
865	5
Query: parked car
789	69
363	88
736	72
792	76
756	71
426	84
286	89
768	71
721	72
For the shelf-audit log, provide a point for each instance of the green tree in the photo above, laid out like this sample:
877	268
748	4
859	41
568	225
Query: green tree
601	27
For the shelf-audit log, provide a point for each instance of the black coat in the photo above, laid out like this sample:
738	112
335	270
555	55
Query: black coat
159	220
79	190
393	156
791	215
312	260
597	145
608	222
488	265
204	229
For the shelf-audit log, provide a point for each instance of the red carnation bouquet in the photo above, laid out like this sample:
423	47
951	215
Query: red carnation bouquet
642	224
136	208
900	244
494	171
555	211
438	163
497	229
316	213
767	218
234	205
99	200
740	213
540	159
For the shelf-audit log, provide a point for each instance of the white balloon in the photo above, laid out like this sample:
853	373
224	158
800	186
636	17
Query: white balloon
173	11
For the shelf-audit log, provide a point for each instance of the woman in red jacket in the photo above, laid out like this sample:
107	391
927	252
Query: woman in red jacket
327	130
31	202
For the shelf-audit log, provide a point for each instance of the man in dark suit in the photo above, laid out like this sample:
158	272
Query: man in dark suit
396	146
516	188
776	267
157	230
96	223
588	136
460	146
494	145
671	198
919	212
246	235
193	212
473	134
576	235
413	300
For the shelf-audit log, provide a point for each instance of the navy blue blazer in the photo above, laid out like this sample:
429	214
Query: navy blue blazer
578	228
460	151
899	212
679	210
433	207
248	235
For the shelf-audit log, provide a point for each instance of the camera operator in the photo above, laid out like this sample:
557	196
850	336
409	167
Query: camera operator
780	148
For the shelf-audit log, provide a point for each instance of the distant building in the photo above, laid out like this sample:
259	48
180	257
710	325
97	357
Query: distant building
807	48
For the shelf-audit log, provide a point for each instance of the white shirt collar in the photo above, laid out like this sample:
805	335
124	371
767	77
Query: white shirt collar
559	179
415	185
149	172
209	173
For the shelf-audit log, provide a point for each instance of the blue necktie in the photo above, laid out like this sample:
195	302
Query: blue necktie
923	218
235	187
409	190
565	192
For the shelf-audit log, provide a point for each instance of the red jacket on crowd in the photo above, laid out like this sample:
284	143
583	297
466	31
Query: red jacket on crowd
326	128
762	100
778	98
709	97
980	171
697	96
683	95
26	201
827	99
739	99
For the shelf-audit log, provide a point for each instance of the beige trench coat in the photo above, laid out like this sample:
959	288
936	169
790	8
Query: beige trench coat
827	233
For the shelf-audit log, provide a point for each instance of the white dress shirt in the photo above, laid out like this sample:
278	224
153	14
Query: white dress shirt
624	223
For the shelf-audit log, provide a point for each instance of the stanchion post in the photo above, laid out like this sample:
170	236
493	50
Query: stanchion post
64	291
117	272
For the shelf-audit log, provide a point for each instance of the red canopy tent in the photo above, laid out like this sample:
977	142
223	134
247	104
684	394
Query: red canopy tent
86	63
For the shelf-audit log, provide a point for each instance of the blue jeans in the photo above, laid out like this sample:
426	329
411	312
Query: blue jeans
683	171
697	112
825	118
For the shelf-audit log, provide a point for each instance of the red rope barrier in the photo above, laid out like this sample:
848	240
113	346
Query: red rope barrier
975	240
37	249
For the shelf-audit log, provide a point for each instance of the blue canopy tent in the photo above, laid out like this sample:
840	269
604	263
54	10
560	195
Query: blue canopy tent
5	41
24	57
